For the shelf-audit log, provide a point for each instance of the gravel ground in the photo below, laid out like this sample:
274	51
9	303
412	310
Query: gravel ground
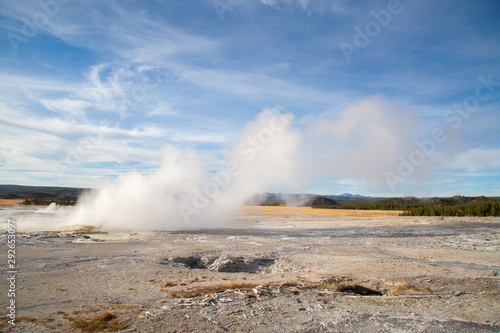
264	274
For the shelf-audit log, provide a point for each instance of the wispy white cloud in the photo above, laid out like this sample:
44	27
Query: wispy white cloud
60	147
69	107
255	85
130	33
28	83
113	88
163	109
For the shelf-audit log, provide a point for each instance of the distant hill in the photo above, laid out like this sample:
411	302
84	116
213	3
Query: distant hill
301	199
304	196
40	192
320	201
349	196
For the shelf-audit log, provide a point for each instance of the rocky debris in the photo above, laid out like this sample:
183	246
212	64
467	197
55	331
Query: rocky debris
305	311
52	237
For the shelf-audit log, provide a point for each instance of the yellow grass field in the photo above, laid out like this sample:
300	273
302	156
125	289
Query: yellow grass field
10	202
306	211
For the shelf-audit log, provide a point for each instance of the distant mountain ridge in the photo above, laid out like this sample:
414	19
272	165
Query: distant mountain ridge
305	196
348	196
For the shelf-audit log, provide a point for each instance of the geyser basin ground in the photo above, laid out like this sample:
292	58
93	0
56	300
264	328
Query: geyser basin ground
268	272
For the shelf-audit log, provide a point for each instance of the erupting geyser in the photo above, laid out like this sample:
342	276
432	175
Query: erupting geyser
362	142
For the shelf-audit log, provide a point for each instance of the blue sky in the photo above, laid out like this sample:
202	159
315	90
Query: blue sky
91	90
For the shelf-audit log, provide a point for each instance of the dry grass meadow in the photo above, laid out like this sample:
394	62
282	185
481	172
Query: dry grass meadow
285	211
10	202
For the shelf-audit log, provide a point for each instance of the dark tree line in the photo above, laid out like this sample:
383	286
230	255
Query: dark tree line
486	208
371	204
452	206
42	202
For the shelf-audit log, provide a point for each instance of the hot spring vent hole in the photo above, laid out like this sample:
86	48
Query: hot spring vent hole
224	263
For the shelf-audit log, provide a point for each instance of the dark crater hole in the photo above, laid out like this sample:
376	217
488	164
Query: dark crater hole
225	264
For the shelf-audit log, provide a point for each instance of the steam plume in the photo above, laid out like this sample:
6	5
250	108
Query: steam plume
362	142
182	194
